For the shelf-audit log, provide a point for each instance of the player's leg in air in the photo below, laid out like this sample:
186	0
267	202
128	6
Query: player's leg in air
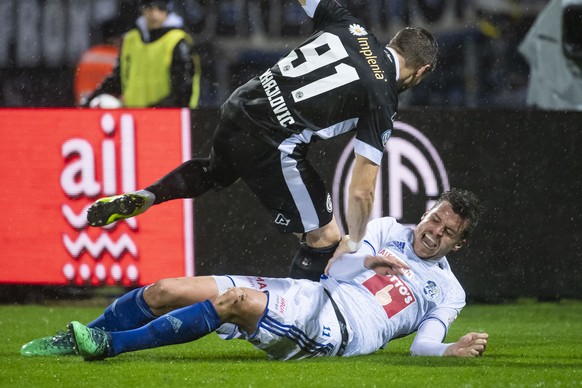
189	180
132	310
288	186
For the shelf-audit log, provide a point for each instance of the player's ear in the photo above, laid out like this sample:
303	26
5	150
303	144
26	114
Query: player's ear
459	245
423	71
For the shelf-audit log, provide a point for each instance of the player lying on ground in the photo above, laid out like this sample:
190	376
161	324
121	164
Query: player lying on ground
341	79
397	283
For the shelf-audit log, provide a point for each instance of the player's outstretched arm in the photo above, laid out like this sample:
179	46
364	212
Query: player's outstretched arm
429	342
470	345
360	201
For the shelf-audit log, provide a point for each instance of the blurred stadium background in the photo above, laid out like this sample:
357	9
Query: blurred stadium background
473	115
41	42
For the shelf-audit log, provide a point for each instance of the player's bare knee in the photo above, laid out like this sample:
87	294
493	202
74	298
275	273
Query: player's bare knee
231	304
159	294
324	236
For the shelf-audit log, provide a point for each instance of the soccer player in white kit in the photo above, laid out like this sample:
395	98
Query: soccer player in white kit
397	283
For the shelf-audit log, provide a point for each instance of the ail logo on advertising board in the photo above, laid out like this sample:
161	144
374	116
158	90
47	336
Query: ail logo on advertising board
56	163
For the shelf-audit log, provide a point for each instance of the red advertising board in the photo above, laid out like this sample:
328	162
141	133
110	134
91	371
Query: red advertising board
56	162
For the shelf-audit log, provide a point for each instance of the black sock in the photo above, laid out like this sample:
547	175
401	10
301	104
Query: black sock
189	180
309	262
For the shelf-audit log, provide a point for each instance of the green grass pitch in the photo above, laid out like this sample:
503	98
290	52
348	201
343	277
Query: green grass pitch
531	345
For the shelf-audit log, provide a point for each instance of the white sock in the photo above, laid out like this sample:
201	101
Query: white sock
150	198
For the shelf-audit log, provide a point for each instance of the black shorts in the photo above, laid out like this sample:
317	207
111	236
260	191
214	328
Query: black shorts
283	180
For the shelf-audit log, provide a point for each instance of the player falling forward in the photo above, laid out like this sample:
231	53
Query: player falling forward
397	283
342	79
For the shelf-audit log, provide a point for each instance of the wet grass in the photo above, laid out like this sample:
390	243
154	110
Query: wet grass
531	345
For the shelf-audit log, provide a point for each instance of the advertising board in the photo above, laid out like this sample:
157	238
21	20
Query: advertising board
56	162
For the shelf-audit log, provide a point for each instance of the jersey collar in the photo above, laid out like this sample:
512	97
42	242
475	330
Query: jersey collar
392	57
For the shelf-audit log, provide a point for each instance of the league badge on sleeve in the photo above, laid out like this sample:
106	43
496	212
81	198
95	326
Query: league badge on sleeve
385	136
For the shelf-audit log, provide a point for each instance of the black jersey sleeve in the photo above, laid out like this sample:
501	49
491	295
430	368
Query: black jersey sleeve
374	130
328	12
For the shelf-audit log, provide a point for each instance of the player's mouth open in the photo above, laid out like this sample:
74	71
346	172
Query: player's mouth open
428	242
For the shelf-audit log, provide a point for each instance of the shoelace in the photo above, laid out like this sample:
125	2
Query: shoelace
62	339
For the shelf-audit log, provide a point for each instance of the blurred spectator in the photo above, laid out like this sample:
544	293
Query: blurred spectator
501	78
553	49
157	66
98	61
194	12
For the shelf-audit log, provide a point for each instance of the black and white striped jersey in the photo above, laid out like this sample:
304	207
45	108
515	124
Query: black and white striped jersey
340	79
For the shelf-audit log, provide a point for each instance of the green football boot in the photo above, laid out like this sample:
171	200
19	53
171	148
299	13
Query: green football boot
92	344
61	344
110	209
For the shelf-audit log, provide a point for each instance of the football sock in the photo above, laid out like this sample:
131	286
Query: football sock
127	312
189	180
309	263
150	199
179	326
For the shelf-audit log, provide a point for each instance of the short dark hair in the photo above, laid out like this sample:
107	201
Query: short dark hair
466	205
160	4
417	46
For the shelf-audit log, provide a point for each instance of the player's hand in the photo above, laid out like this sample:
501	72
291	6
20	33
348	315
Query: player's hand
340	250
469	345
386	264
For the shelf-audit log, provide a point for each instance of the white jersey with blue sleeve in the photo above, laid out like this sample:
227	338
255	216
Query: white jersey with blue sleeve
380	308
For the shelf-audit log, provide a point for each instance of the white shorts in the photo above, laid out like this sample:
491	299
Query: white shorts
299	321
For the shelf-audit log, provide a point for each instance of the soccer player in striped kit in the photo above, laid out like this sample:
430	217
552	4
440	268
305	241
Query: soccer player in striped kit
397	283
341	79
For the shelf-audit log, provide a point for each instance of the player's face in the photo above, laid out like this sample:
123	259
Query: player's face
154	17
438	232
